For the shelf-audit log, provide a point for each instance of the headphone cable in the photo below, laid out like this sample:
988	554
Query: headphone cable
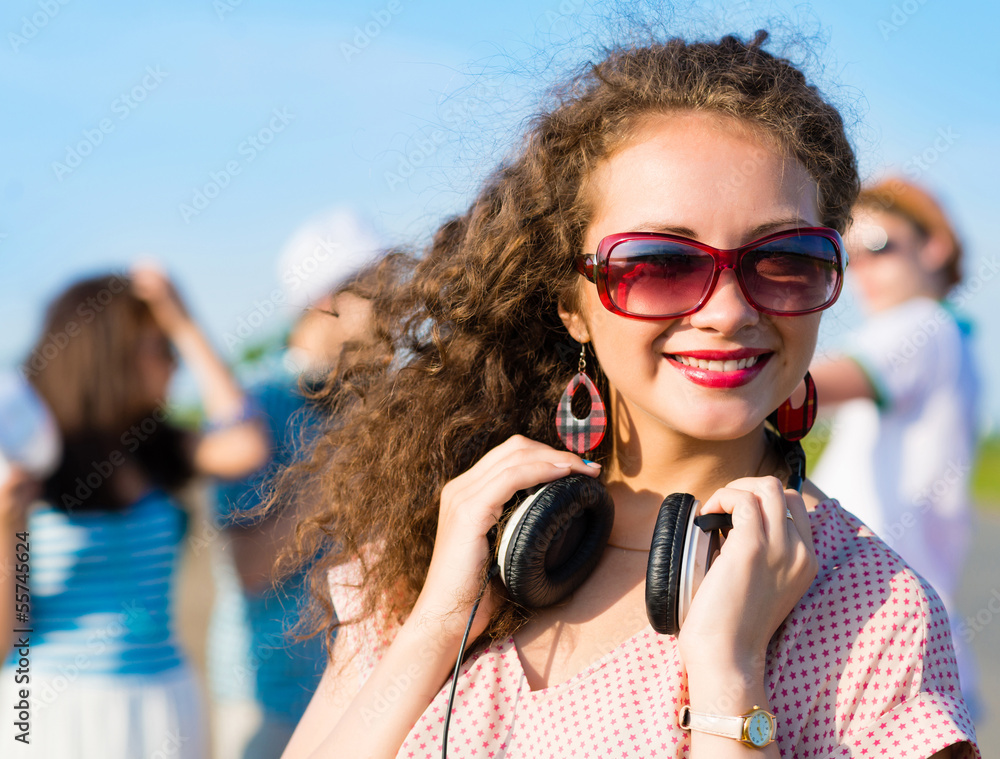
461	655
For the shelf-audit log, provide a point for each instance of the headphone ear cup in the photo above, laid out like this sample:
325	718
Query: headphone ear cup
553	541
666	555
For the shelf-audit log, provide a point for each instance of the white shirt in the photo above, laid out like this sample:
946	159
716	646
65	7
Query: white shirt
903	464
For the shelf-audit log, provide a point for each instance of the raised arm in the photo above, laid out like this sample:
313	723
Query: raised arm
237	444
839	380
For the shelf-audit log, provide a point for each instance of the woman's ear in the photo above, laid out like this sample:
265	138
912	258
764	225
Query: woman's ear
574	323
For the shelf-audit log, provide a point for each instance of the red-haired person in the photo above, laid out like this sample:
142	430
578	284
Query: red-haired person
906	391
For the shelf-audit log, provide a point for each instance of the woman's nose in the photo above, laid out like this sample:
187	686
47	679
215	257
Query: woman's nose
727	310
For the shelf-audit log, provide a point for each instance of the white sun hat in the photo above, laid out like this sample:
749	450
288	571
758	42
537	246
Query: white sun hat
324	253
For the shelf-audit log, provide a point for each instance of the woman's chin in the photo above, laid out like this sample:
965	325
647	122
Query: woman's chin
720	427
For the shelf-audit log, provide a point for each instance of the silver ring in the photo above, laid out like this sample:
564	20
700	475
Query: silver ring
788	514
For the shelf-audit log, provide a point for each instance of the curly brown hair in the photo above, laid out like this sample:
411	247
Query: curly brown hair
467	342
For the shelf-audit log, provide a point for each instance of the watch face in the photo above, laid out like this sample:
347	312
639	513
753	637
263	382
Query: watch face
759	729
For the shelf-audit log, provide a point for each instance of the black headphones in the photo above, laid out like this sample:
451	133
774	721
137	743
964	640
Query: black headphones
552	539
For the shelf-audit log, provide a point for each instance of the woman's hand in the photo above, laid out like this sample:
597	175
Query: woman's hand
471	504
152	285
423	651
766	565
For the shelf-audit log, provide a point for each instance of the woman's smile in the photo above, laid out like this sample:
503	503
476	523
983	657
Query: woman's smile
720	368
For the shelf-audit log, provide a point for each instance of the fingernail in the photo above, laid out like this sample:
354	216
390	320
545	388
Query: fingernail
588	462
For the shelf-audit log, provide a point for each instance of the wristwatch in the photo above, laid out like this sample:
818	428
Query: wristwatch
755	728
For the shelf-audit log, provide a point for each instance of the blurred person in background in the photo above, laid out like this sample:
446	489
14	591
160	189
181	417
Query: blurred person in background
261	680
907	393
107	676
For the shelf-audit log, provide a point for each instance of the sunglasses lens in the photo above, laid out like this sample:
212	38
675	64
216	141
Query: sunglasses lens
665	278
793	274
658	277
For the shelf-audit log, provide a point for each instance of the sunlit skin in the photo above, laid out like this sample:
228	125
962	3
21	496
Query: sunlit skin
323	332
678	176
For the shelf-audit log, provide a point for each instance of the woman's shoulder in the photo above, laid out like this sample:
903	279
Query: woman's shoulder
840	536
150	501
858	569
155	517
365	636
869	644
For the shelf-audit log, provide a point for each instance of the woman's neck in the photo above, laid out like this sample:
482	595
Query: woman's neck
646	466
692	466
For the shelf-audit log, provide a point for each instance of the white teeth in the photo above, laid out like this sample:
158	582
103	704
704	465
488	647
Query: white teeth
717	366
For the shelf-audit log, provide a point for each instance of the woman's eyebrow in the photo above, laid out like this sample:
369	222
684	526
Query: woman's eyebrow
758	231
762	229
659	226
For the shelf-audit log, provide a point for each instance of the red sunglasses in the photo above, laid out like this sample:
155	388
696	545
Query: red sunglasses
649	275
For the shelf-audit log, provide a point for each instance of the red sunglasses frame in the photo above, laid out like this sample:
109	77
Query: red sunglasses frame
595	267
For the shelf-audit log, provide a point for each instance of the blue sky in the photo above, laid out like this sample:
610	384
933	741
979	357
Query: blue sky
164	95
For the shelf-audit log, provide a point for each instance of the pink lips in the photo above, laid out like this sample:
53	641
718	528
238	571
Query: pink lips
709	378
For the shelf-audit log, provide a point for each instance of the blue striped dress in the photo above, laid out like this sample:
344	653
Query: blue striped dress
108	679
101	586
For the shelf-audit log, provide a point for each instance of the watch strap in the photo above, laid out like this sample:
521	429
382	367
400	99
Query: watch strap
716	724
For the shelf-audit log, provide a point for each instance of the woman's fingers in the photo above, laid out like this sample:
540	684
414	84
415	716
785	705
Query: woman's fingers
760	507
772	500
518	448
743	505
800	517
516	451
766	564
476	497
495	487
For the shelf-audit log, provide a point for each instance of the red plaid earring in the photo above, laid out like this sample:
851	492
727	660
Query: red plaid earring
581	435
795	423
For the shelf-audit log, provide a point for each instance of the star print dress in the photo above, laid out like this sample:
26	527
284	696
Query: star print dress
863	667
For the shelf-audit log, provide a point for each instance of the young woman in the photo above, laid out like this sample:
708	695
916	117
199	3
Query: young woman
106	675
669	226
